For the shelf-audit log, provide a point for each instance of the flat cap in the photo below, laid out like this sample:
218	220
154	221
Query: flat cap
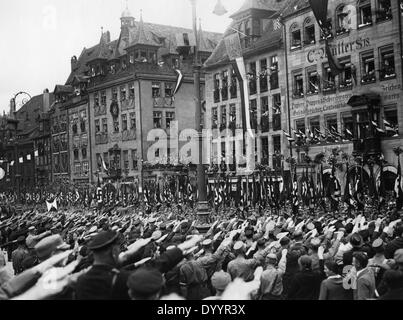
31	228
145	282
103	240
220	280
239	245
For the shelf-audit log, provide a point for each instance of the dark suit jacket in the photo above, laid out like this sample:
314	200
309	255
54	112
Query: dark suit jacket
305	285
365	285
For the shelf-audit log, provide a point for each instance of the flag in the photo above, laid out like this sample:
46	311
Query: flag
12	163
104	164
179	81
334	64
51	205
398	186
319	8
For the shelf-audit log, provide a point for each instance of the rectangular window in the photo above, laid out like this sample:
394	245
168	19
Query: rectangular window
76	154
252	78
170	116
387	63
224	89
105	125
223	116
329	31
346	76
274	69
253	114
234	85
263	84
329	80
298	85
97	126
116	126
133	121
276	113
296	39
106	159
214	117
103	98
232	115
84	153
126	159
314	127
157	115
300	126
313	82
277	150
309	34
134	159
216	87
392	123
348	126
332	130
169	90
124	122
131	91
384	10
364	13
115	94
265	151
96	99
77	168
83	121
122	93
156	89
99	161
86	167
264	119
368	67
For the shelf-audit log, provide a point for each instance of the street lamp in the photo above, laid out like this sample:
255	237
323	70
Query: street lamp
202	205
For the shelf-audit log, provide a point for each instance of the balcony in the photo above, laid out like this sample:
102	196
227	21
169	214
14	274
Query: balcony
101	138
99	110
129	135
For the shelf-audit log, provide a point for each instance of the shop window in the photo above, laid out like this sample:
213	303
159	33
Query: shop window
387	63
368	67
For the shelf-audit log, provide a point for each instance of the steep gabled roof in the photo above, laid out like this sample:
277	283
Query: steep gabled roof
292	7
143	38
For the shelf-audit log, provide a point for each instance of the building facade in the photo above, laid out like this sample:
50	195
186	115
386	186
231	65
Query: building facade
263	52
131	102
359	110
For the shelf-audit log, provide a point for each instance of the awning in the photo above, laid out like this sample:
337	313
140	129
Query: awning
364	99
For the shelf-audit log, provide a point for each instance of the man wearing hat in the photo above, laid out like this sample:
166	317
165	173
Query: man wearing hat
33	239
365	277
395	244
271	283
145	284
219	281
50	246
18	255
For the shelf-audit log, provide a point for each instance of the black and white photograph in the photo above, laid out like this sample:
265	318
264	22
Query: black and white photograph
193	152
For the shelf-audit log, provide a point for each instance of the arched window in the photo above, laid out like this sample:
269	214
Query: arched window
295	32
309	32
364	13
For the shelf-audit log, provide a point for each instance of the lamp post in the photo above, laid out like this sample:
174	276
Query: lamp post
202	205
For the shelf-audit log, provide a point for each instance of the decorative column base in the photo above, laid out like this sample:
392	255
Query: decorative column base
203	214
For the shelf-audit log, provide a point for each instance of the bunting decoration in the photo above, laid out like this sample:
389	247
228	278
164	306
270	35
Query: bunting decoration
179	81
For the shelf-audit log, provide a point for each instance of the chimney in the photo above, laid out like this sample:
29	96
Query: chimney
46	101
73	63
12	108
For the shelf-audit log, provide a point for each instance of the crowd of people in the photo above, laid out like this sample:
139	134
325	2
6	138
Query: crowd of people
121	253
